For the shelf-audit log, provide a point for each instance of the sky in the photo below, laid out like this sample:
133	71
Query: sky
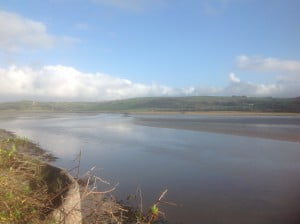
95	50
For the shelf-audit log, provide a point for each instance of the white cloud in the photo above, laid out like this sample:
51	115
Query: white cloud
278	89
285	72
18	33
61	83
66	83
268	64
233	78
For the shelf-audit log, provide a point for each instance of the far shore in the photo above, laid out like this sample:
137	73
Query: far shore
216	113
205	113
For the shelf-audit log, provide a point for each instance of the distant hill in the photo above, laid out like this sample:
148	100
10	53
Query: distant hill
162	104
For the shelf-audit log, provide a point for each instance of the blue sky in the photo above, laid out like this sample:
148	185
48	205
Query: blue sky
134	48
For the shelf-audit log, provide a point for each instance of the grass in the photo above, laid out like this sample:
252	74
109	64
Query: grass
26	197
23	193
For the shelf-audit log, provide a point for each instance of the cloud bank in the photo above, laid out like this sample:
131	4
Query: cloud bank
20	33
238	87
268	64
286	74
61	83
66	83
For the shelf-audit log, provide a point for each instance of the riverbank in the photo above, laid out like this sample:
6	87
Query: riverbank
33	191
23	193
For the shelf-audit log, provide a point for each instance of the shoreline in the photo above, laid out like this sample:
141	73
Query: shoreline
206	113
216	113
235	127
76	199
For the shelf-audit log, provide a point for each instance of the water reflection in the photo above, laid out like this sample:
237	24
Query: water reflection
214	178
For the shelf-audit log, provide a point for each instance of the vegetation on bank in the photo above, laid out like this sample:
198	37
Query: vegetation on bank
23	192
26	196
163	104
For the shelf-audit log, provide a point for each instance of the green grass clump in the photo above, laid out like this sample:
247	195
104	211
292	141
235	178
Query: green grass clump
23	193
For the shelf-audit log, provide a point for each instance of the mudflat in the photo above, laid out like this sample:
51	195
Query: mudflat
285	128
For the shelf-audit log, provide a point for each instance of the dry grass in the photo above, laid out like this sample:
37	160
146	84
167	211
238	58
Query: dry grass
25	196
23	193
100	206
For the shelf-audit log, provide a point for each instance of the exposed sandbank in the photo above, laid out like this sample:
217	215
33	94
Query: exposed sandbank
216	113
279	128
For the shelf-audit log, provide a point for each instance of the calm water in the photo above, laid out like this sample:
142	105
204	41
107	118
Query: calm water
213	178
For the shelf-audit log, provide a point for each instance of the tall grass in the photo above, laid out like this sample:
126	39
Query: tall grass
23	193
25	196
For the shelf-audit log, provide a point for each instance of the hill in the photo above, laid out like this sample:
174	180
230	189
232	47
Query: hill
163	104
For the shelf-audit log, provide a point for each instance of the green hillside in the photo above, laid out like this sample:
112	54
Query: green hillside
162	104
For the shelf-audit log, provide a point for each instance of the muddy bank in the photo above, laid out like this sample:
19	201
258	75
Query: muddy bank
279	128
27	147
63	202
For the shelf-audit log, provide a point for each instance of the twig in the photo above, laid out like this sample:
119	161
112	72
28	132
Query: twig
161	196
